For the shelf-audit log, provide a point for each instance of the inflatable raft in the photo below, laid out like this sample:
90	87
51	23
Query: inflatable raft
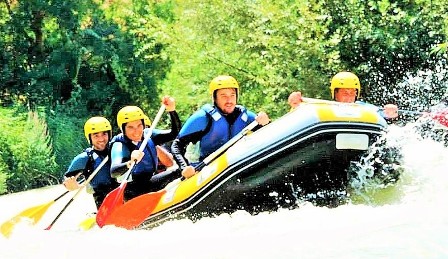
306	151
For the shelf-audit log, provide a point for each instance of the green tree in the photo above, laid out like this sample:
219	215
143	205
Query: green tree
273	48
385	40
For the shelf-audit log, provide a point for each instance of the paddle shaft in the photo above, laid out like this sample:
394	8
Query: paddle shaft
417	113
439	116
93	174
226	146
34	213
318	101
115	197
411	112
60	196
145	141
134	212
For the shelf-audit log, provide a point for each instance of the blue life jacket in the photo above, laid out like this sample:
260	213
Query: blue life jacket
147	166
87	162
220	131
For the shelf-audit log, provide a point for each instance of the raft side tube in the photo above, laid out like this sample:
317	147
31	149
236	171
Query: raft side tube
295	154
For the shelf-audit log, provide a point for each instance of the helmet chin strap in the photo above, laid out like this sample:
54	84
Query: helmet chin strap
123	128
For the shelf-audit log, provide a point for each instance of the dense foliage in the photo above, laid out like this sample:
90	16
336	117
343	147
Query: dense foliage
26	156
69	60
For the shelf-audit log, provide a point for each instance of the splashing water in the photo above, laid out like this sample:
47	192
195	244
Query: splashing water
405	219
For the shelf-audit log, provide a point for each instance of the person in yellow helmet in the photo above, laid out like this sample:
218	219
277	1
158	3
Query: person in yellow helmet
98	132
345	87
125	149
214	125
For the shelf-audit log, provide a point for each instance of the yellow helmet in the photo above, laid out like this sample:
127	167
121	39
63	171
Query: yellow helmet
129	113
221	82
345	80
147	121
95	125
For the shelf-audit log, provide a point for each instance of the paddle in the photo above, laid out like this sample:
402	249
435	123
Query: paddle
417	113
318	101
134	212
116	197
79	191
87	223
439	116
34	213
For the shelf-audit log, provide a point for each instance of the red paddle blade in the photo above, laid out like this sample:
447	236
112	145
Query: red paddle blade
134	212
441	117
113	200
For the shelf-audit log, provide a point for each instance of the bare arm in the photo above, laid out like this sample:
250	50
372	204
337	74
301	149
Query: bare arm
165	157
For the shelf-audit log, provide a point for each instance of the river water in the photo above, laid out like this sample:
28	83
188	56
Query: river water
406	220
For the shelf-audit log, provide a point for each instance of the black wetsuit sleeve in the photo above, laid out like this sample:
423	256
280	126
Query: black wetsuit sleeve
160	180
118	169
179	147
73	173
167	136
78	165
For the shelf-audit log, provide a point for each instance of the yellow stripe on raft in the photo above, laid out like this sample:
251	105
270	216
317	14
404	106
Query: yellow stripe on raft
346	112
181	190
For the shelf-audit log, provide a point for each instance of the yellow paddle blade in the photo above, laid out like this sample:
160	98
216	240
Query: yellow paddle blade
88	223
33	214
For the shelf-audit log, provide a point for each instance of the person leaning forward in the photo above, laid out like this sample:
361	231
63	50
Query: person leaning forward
98	131
125	149
214	125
